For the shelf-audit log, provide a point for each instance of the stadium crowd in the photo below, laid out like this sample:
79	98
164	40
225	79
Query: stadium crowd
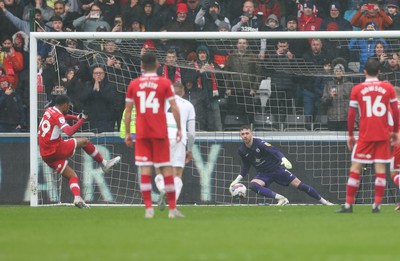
221	79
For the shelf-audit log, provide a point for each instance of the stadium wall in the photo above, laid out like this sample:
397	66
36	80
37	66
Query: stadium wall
199	186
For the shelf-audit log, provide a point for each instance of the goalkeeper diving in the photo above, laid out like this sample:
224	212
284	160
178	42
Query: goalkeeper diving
271	166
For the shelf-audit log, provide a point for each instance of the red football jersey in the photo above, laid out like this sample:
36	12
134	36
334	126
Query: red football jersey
149	94
372	98
49	132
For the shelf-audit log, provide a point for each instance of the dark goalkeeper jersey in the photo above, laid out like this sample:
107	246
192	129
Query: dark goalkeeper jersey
262	156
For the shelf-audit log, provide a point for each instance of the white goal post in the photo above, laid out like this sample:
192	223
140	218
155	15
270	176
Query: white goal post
35	36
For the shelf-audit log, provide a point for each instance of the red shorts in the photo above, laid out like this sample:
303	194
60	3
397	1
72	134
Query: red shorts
59	160
368	152
152	152
395	164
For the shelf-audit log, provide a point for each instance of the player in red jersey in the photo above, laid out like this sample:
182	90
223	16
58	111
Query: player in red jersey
149	93
55	151
373	99
395	164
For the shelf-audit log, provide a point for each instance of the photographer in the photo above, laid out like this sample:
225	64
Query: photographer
371	13
91	21
209	16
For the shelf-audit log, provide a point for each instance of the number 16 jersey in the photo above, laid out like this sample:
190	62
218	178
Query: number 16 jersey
149	94
372	98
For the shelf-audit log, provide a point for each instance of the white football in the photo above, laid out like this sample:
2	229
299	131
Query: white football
238	190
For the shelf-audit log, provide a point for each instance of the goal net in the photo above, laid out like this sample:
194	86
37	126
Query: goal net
265	80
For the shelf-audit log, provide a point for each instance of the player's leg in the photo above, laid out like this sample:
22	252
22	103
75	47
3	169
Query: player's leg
178	158
259	185
159	181
311	191
380	184
71	175
91	150
352	187
144	160
395	169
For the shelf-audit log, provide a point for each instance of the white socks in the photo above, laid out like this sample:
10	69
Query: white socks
159	180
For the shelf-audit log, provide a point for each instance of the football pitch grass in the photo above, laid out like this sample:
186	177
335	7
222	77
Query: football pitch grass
207	233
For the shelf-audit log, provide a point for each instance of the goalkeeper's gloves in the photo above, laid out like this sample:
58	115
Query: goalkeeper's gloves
286	163
82	115
236	181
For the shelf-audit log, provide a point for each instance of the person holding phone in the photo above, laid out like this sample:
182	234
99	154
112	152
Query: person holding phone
370	12
91	21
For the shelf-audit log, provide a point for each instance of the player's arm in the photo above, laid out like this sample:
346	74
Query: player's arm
244	170
177	117
191	133
351	119
70	130
128	113
274	151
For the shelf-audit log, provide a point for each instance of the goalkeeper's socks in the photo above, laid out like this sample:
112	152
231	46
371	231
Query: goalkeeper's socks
309	190
380	184
145	188
178	187
74	186
159	180
396	178
266	192
170	191
352	186
91	150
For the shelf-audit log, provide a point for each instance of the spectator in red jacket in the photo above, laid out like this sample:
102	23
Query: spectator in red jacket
308	19
11	60
371	13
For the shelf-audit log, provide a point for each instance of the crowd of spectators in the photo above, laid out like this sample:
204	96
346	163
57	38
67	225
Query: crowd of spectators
219	79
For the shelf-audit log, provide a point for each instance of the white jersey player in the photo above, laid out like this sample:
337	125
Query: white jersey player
180	152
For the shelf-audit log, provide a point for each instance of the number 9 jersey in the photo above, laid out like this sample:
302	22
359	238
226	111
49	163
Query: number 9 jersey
149	93
373	100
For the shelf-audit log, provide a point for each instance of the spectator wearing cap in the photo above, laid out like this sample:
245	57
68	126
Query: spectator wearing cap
335	16
209	17
336	98
134	25
308	19
371	12
267	7
392	7
91	21
296	46
12	114
366	46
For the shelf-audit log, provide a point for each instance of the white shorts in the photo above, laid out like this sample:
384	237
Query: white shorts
177	153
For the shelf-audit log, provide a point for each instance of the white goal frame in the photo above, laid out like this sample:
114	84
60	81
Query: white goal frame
35	36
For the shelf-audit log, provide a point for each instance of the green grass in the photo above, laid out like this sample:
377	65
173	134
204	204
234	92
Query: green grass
207	233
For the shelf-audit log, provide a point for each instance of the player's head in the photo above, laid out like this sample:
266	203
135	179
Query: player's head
371	67
149	61
246	134
62	102
179	89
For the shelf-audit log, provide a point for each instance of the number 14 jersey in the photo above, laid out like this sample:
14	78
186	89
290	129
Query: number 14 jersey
149	94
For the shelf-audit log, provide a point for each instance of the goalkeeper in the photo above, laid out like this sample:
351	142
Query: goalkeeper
271	166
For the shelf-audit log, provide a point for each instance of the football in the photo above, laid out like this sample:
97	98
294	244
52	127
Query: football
238	190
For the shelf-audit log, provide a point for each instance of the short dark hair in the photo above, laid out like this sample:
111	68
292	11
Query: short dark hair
62	99
372	66
149	61
247	127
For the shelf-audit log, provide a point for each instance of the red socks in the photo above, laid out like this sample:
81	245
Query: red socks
145	187
91	150
74	186
396	178
170	191
380	185
352	186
